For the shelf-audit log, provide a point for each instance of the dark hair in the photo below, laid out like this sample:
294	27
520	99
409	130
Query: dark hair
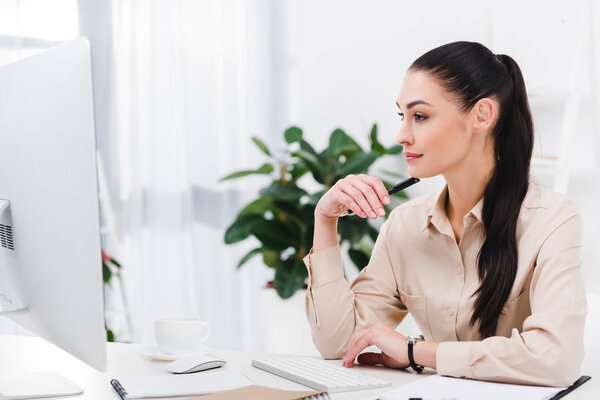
470	71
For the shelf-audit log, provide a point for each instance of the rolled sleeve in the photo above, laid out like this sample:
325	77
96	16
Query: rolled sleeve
452	359
329	262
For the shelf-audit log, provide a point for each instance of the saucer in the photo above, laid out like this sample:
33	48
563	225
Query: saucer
156	353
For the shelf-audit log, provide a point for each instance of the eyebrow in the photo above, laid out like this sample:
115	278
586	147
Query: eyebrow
413	103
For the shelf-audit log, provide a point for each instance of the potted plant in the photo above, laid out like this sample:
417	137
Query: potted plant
282	217
110	268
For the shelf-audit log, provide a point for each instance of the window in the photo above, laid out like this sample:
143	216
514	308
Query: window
30	26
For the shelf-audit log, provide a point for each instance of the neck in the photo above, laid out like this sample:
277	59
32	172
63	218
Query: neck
466	187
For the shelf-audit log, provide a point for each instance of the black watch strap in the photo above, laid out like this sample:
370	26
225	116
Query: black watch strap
412	340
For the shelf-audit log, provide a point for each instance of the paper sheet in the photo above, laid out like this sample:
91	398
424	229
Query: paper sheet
438	387
182	385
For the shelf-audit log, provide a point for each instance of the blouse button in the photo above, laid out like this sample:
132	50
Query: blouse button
450	312
504	310
471	219
459	270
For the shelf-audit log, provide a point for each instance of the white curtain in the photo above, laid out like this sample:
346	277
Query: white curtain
185	85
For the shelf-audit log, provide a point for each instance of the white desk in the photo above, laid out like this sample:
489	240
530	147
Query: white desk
29	354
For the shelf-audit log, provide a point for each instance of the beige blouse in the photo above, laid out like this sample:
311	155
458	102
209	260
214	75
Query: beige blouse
417	267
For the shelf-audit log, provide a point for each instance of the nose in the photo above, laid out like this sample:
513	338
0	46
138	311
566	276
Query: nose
404	137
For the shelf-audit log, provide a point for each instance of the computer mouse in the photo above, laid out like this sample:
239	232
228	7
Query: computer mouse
194	363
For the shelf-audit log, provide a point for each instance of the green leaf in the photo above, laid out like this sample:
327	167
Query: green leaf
290	275
378	148
396	149
359	163
110	336
304	145
349	150
375	145
289	192
115	263
373	233
293	213
314	164
340	142
314	198
258	206
261	145
365	249
353	228
238	174
106	273
336	140
264	169
248	256
373	135
271	257
298	170
308	158
288	207
293	134
359	258
274	234
241	228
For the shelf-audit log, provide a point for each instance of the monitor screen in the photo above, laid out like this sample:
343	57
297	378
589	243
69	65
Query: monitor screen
50	254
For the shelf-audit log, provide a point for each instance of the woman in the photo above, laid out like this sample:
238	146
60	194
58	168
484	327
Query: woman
489	267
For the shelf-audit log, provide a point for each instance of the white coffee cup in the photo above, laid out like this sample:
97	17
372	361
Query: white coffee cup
180	335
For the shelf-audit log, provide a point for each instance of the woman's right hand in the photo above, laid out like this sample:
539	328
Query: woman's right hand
363	194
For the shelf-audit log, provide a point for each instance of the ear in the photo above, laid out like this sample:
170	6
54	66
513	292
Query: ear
483	115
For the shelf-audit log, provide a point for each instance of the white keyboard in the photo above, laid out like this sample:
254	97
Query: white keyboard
318	374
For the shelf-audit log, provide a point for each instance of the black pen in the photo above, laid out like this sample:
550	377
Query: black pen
401	186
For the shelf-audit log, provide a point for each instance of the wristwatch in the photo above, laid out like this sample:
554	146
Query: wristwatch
410	341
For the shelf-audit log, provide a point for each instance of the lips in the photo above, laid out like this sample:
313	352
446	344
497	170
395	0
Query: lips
412	156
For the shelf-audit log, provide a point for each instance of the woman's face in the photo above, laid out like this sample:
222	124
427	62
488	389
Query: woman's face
435	133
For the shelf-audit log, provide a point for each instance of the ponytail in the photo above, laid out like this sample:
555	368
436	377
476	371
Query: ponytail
472	72
503	195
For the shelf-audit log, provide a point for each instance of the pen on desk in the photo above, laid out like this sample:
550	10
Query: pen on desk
401	186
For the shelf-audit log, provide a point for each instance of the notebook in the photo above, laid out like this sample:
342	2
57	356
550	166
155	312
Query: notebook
439	387
184	385
255	392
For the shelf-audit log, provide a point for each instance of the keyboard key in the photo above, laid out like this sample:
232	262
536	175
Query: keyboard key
318	374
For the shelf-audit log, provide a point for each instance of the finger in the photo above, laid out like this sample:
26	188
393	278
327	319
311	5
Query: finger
351	345
364	196
364	184
349	189
351	204
371	358
378	186
369	194
359	345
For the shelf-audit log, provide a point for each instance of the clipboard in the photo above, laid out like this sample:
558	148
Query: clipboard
583	379
256	392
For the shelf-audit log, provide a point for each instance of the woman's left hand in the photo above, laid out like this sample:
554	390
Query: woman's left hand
394	350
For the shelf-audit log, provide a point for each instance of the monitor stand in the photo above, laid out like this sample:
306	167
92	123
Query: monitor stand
36	385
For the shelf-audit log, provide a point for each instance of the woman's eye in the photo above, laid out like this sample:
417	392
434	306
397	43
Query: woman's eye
420	117
401	116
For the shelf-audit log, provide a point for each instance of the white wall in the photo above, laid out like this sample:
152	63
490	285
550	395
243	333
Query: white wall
349	58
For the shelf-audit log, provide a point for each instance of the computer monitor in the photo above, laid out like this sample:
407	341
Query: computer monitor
50	254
